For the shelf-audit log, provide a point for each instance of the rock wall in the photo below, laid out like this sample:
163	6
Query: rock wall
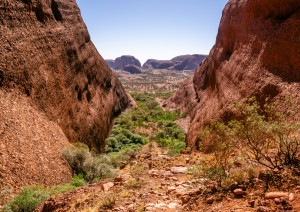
50	66
256	54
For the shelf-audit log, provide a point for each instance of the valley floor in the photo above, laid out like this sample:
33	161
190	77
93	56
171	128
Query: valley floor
155	181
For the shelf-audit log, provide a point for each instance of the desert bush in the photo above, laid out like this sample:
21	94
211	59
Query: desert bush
98	167
107	201
138	169
133	183
268	137
171	136
90	166
123	157
28	199
31	197
75	155
260	132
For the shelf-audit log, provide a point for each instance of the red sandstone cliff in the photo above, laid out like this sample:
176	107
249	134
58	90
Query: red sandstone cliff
55	88
257	53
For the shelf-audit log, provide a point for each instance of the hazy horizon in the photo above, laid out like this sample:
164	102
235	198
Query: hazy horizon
152	29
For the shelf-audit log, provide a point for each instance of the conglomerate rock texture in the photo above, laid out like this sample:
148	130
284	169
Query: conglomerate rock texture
55	88
256	54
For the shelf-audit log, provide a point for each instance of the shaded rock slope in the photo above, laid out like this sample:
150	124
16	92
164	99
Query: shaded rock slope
133	69
256	54
55	88
121	62
179	63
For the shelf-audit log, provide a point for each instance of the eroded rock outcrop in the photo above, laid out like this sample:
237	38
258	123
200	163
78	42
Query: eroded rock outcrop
55	88
179	63
256	54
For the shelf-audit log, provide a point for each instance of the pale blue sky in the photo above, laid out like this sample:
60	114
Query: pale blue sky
152	29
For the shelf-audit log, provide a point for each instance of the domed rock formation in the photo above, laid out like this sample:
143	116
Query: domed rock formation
180	63
125	60
133	69
256	54
55	88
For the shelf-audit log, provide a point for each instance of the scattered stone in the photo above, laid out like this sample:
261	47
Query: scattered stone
185	199
210	200
262	209
251	203
278	201
166	157
237	163
178	170
238	192
273	195
172	205
291	197
107	186
187	160
170	190
165	184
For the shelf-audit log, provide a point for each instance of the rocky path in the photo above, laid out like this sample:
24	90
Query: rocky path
156	182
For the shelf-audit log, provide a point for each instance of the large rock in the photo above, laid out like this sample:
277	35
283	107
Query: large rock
55	88
180	63
256	54
133	69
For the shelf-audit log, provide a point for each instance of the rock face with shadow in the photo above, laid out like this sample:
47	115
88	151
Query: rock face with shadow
256	54
55	88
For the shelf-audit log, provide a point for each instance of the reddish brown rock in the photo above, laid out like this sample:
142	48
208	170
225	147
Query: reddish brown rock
55	88
256	54
273	195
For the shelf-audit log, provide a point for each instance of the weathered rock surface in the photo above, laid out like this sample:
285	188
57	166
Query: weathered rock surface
183	62
121	62
133	69
256	54
55	88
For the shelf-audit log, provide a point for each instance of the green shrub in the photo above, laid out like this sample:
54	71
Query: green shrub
98	167
78	180
28	199
262	133
88	165
31	197
75	155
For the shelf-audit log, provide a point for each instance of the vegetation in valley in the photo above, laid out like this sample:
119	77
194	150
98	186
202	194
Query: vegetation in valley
146	122
258	138
158	81
31	197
